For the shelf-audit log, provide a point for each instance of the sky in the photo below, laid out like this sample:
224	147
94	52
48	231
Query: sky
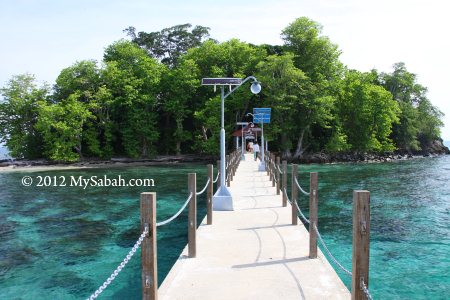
42	37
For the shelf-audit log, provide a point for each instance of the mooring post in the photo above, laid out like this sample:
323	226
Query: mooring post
361	243
218	178
192	219
209	195
294	193
284	183
277	171
148	253
313	209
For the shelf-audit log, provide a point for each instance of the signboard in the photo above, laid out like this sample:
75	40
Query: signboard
261	115
221	81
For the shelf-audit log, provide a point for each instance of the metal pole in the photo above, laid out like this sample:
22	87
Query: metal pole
242	143
262	166
222	139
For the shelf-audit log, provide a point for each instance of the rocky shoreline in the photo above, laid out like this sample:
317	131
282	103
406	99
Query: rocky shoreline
24	164
436	149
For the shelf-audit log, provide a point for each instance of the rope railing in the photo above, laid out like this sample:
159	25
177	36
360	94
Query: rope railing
177	214
298	208
329	253
300	188
120	267
365	289
217	177
279	170
287	197
204	189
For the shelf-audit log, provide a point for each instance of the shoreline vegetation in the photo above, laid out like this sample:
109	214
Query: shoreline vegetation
145	99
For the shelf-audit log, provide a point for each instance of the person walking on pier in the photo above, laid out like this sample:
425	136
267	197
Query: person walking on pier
256	150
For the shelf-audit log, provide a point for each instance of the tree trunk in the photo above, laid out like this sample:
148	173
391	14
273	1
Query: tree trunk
300	149
285	151
167	135
204	130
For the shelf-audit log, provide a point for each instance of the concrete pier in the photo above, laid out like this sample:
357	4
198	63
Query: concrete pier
252	252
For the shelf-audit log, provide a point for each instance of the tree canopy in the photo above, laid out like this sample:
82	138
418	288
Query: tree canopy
145	98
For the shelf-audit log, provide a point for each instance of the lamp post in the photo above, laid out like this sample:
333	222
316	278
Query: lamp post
262	165
222	199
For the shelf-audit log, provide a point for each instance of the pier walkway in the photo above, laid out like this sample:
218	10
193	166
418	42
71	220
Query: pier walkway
252	252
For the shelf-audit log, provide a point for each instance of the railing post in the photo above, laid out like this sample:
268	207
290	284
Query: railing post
277	171
209	195
294	193
267	159
313	208
148	252
284	183
218	179
234	164
361	240
192	219
273	169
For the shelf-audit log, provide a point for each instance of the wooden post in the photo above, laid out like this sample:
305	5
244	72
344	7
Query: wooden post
361	240
284	186
277	171
267	158
218	179
234	164
192	219
313	208
209	195
294	193
273	169
148	253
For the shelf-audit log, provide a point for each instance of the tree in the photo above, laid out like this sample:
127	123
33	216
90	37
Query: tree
420	121
367	113
318	59
61	125
170	43
83	81
229	59
288	91
19	115
314	54
132	79
178	86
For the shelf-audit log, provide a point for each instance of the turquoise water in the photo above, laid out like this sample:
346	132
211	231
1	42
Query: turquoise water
63	242
3	152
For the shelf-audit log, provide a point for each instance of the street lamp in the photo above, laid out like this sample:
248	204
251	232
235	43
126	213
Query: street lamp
262	165
222	199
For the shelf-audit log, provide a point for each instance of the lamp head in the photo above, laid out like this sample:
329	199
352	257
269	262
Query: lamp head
255	87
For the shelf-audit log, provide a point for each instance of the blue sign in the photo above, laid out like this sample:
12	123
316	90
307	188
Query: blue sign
261	115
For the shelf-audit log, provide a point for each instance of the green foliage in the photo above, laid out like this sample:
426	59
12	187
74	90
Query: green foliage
61	125
170	43
146	98
19	114
133	80
366	112
420	121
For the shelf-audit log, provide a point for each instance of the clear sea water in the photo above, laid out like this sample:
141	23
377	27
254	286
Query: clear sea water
63	242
